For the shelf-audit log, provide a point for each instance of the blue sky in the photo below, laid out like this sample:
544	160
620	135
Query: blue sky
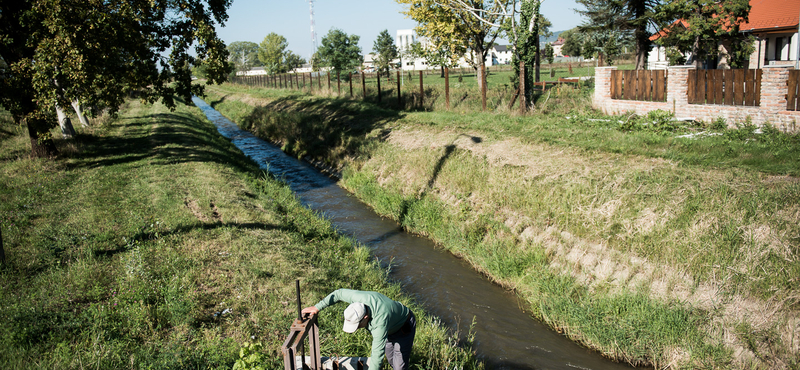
251	20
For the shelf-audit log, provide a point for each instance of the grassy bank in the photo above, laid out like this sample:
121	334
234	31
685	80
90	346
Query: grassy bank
656	243
153	243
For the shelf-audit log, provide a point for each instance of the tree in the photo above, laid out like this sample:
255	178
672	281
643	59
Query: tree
292	60
572	43
528	41
611	23
385	51
340	51
549	53
710	24
473	24
271	53
97	51
243	55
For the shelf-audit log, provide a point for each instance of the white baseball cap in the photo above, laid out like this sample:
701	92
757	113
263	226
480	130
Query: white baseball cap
353	315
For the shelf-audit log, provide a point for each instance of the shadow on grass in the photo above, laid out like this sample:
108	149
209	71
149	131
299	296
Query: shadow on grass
159	139
401	216
219	101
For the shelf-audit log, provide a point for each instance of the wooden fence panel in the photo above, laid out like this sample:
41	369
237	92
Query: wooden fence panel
718	86
738	92
616	83
711	82
700	94
643	82
660	87
729	86
792	95
691	90
639	85
749	87
725	86
628	89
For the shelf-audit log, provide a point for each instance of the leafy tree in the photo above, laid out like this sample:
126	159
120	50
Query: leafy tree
606	45
272	51
98	51
470	24
243	55
292	60
572	43
385	51
528	42
612	23
316	62
710	23
549	53
340	51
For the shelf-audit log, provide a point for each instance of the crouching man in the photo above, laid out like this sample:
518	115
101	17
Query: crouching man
391	324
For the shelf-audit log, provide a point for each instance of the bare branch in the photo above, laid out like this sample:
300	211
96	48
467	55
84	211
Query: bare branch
461	5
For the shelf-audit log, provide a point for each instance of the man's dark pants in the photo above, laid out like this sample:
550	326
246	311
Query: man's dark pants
398	344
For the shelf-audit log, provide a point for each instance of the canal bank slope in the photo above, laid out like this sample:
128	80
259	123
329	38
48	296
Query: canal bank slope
648	255
152	242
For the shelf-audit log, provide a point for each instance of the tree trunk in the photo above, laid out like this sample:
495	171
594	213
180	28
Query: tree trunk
695	50
479	74
76	105
537	60
42	145
66	124
641	34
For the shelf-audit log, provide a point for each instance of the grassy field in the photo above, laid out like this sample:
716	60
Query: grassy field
153	243
655	242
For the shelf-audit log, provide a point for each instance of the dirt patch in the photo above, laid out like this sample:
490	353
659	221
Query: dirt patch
193	207
198	212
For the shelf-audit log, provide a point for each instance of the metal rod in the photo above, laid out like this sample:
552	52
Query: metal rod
299	308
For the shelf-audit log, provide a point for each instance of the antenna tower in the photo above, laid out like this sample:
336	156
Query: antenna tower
313	33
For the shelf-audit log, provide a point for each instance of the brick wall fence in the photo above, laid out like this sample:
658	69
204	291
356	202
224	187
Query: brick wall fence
772	109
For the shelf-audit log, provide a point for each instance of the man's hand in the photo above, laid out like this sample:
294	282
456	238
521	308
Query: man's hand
310	311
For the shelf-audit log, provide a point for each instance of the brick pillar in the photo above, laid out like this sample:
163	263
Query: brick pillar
602	87
773	89
677	89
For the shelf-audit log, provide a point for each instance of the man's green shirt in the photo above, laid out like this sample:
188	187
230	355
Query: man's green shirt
387	317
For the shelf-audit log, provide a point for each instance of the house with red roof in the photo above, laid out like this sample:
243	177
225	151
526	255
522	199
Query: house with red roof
557	47
773	23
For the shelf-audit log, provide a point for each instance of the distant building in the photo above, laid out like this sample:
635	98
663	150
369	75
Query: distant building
254	71
557	47
500	54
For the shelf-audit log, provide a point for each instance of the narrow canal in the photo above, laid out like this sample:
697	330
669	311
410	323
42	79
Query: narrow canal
505	336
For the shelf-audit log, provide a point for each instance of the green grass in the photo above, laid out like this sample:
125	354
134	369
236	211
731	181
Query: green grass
641	244
153	243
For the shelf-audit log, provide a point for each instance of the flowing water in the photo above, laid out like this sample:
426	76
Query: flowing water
505	336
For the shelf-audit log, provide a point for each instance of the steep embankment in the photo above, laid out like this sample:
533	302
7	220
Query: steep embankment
648	259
